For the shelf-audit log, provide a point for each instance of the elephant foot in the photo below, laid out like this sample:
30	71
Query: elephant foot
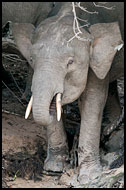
88	173
56	160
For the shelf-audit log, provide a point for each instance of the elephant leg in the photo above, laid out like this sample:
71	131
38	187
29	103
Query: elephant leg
93	100
112	108
57	152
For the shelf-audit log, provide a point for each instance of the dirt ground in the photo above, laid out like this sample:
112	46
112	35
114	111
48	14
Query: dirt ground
24	143
24	151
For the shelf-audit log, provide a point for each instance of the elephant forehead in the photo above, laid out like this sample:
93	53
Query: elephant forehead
54	36
44	49
51	47
54	28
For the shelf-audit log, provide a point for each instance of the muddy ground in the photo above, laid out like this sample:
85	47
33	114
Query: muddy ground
24	142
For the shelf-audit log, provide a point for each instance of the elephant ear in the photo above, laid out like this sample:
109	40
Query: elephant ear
22	33
107	40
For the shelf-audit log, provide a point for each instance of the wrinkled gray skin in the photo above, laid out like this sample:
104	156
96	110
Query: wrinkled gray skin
75	69
25	12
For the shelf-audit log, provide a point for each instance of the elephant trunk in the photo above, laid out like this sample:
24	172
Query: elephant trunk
41	107
47	102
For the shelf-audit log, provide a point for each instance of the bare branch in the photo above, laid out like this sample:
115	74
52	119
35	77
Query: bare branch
13	94
75	19
76	27
16	83
82	20
85	25
12	57
85	9
15	58
102	6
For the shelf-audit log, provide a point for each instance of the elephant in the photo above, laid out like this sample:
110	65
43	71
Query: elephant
65	71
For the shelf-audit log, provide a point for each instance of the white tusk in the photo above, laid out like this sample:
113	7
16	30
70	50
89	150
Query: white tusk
29	107
119	47
58	106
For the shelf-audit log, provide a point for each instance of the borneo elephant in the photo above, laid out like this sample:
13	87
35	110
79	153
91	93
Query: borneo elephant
66	70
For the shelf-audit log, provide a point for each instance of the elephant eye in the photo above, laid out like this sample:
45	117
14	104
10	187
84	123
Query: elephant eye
70	62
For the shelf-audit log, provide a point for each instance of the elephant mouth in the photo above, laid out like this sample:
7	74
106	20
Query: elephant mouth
52	108
55	106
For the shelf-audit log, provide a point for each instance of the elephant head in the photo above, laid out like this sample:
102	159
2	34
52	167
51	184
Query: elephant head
61	67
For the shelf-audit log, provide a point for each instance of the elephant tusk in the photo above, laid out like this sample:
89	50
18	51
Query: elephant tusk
29	107
119	47
58	106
